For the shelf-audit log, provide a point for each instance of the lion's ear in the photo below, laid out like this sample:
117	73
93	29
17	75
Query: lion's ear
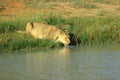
32	24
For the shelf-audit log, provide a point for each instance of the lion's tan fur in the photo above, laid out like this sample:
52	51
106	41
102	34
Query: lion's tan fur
43	31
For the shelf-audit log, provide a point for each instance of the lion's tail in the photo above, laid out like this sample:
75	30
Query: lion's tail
21	32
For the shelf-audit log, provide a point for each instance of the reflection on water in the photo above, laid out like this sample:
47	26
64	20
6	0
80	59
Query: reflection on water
84	63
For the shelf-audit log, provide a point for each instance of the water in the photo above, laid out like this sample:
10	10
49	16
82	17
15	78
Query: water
83	63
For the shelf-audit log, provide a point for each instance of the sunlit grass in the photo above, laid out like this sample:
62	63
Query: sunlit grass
16	41
86	30
84	4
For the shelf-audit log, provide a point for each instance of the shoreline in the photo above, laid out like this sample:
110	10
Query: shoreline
85	30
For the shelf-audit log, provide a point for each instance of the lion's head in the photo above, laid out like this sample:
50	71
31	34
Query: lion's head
63	37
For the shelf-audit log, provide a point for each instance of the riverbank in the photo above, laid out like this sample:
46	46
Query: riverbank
86	30
91	22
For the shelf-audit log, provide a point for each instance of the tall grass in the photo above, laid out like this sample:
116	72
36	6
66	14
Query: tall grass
85	30
16	42
10	40
93	30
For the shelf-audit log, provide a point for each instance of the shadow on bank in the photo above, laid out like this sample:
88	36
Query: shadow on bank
74	41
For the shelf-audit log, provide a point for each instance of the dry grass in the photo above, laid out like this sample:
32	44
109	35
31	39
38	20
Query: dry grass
64	8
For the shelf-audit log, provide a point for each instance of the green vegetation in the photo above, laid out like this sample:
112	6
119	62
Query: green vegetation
89	22
83	4
15	42
93	30
89	30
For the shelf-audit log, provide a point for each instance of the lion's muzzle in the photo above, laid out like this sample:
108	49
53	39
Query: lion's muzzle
67	42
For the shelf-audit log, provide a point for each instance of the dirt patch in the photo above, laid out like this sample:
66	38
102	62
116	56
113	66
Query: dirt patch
13	8
13	4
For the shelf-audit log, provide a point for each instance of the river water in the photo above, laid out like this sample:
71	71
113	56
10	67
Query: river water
73	63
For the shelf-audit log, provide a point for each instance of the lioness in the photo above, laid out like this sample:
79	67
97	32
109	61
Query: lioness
44	31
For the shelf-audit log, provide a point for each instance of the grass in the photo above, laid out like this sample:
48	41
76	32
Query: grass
2	7
83	30
86	30
102	1
15	42
100	13
83	4
88	4
77	3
